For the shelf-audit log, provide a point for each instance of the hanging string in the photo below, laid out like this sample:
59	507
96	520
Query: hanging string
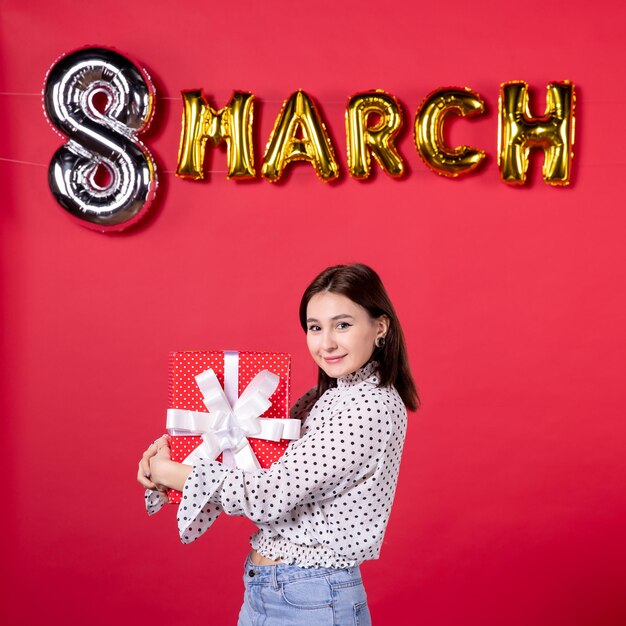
22	162
158	97
263	101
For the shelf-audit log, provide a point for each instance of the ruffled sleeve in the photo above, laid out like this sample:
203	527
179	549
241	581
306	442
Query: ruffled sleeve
154	501
196	512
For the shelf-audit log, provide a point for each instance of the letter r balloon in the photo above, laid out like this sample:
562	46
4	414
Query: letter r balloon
101	137
377	139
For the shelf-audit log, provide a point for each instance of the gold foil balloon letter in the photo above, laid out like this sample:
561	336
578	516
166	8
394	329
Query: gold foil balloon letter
429	137
376	139
232	124
299	135
518	132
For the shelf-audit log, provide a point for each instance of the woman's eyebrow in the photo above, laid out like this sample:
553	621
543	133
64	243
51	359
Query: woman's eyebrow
335	317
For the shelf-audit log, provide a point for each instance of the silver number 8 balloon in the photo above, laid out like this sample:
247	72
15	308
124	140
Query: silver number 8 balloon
100	101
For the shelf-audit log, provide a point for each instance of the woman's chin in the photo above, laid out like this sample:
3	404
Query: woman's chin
336	369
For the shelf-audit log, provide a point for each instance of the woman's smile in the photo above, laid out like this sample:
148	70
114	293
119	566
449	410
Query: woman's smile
333	359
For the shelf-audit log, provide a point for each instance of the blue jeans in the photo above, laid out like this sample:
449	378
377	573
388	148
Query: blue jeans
289	595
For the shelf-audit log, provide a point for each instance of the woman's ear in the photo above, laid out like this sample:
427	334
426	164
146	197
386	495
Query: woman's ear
383	324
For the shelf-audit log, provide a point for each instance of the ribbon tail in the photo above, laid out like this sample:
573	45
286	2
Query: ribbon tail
208	450
245	458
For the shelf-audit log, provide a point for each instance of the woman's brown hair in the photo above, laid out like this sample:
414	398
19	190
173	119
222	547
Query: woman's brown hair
363	286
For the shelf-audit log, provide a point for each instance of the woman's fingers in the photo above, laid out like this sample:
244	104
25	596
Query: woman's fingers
143	474
163	440
144	464
143	478
148	484
164	451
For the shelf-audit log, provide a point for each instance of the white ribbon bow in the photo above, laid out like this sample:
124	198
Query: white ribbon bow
226	427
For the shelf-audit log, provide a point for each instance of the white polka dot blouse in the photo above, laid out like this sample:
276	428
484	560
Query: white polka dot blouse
326	501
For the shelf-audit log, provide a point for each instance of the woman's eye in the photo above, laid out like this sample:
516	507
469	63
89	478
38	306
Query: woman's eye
343	325
314	328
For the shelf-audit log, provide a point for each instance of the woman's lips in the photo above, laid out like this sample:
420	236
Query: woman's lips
333	359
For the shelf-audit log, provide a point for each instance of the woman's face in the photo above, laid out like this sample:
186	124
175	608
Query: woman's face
340	333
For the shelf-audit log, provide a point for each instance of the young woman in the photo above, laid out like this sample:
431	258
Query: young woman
323	507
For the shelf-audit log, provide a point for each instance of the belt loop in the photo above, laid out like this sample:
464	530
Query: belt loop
274	578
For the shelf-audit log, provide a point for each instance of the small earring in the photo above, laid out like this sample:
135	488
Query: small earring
380	341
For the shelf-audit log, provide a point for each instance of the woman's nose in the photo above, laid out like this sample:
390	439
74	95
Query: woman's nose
328	341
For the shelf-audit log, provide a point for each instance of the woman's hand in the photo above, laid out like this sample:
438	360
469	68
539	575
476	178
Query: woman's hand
159	464
144	475
158	472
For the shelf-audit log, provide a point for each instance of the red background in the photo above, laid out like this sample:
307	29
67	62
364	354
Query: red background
510	505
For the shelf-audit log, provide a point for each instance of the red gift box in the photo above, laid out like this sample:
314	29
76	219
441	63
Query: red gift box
184	393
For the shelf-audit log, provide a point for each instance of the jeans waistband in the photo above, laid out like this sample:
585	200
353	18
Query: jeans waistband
286	572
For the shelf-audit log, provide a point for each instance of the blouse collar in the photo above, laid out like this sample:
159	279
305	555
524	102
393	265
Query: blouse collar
368	371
